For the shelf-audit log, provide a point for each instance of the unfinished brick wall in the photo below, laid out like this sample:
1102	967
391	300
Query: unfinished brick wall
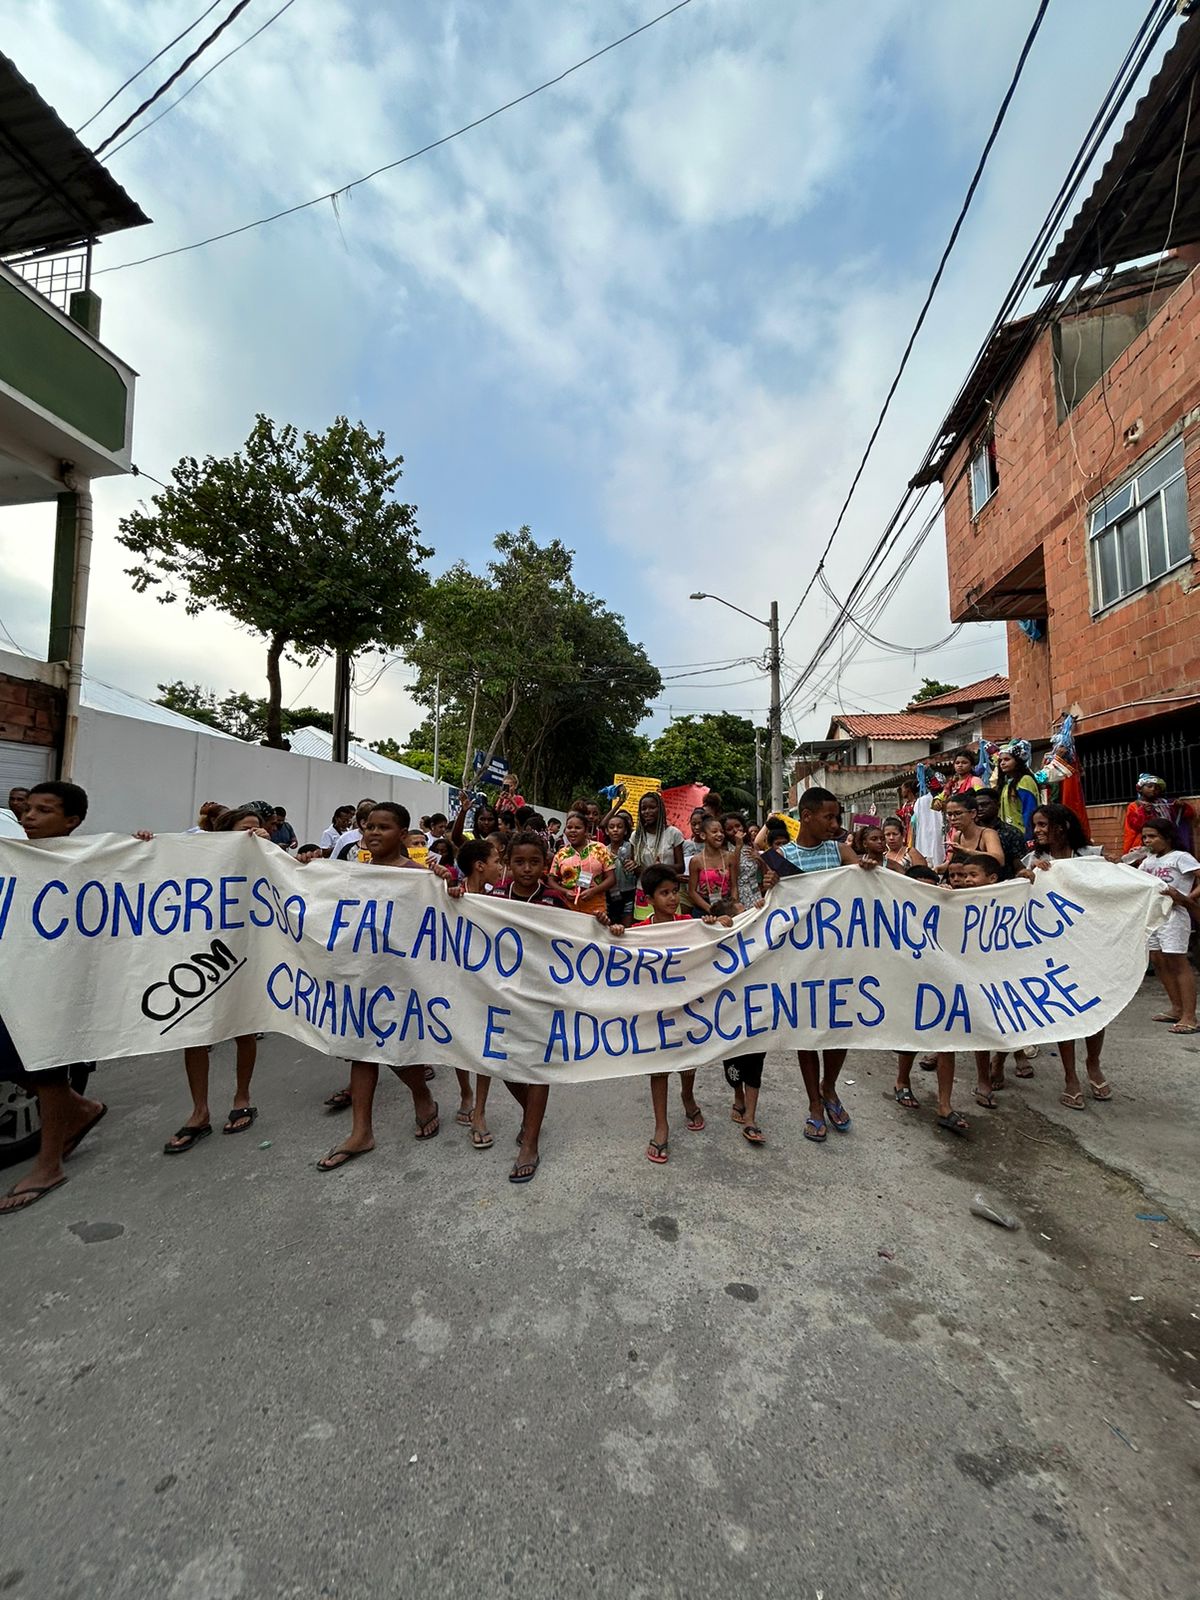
30	712
1050	472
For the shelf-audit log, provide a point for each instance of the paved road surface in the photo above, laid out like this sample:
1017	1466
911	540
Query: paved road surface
787	1372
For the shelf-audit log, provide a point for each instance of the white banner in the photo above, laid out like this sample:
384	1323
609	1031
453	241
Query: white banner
113	947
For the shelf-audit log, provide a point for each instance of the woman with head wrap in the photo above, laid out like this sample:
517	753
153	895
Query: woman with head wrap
1018	790
1152	805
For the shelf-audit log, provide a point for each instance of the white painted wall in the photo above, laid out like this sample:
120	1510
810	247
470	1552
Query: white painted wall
142	775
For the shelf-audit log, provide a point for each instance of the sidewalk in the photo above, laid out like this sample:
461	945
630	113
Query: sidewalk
1150	1129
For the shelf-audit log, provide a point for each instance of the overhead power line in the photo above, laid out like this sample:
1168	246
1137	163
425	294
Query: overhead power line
175	76
1137	56
390	166
220	61
930	292
147	65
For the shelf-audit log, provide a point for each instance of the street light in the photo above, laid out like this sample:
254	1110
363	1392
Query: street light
775	716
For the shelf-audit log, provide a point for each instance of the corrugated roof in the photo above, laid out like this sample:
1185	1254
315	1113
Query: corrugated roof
1150	185
53	191
97	695
315	742
893	725
993	688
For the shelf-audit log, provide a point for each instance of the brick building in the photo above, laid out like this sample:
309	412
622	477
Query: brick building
1070	466
863	757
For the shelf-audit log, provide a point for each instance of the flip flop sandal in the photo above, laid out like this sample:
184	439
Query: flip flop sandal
191	1136
1073	1102
240	1118
431	1127
77	1139
906	1098
1100	1091
696	1123
657	1153
815	1130
1022	1069
463	1118
1163	1016
837	1116
737	1116
954	1122
430	1072
339	1158
481	1141
986	1099
525	1171
339	1101
30	1197
1181	1027
928	1064
753	1134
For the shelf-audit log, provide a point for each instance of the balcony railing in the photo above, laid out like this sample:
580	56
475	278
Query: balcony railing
56	277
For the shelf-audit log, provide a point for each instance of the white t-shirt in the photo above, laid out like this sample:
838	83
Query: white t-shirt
1176	870
1034	856
351	836
668	842
928	830
330	838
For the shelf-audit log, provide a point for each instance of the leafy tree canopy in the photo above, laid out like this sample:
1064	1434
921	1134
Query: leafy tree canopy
533	668
237	713
930	689
716	749
297	537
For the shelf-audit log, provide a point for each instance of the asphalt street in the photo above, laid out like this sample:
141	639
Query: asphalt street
788	1371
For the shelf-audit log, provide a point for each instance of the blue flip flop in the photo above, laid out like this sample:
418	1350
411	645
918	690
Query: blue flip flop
834	1109
815	1130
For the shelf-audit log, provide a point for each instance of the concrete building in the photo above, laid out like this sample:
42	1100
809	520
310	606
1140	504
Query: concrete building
66	401
864	756
1070	466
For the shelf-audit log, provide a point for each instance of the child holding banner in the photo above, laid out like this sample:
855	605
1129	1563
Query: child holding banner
50	811
385	837
965	870
480	870
527	883
817	849
197	1057
660	885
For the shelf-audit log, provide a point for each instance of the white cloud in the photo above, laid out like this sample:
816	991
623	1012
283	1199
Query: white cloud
681	272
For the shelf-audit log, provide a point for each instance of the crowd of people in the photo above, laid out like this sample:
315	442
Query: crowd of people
632	868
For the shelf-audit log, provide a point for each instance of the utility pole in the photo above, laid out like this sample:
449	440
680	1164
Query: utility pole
341	707
776	714
758	805
437	726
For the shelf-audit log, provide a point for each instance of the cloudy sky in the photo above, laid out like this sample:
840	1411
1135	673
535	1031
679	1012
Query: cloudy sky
652	312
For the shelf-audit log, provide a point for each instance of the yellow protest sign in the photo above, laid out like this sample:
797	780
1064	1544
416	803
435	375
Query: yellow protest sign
790	823
635	788
419	853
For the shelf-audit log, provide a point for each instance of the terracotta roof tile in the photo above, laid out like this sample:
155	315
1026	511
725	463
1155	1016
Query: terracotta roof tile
894	725
993	688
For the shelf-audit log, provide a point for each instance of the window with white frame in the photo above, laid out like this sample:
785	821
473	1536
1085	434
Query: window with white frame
1140	531
985	477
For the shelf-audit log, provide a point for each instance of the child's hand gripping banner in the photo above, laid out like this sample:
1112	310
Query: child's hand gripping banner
114	947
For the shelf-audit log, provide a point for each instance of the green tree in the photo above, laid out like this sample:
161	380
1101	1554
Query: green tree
297	537
930	689
238	713
716	749
533	668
